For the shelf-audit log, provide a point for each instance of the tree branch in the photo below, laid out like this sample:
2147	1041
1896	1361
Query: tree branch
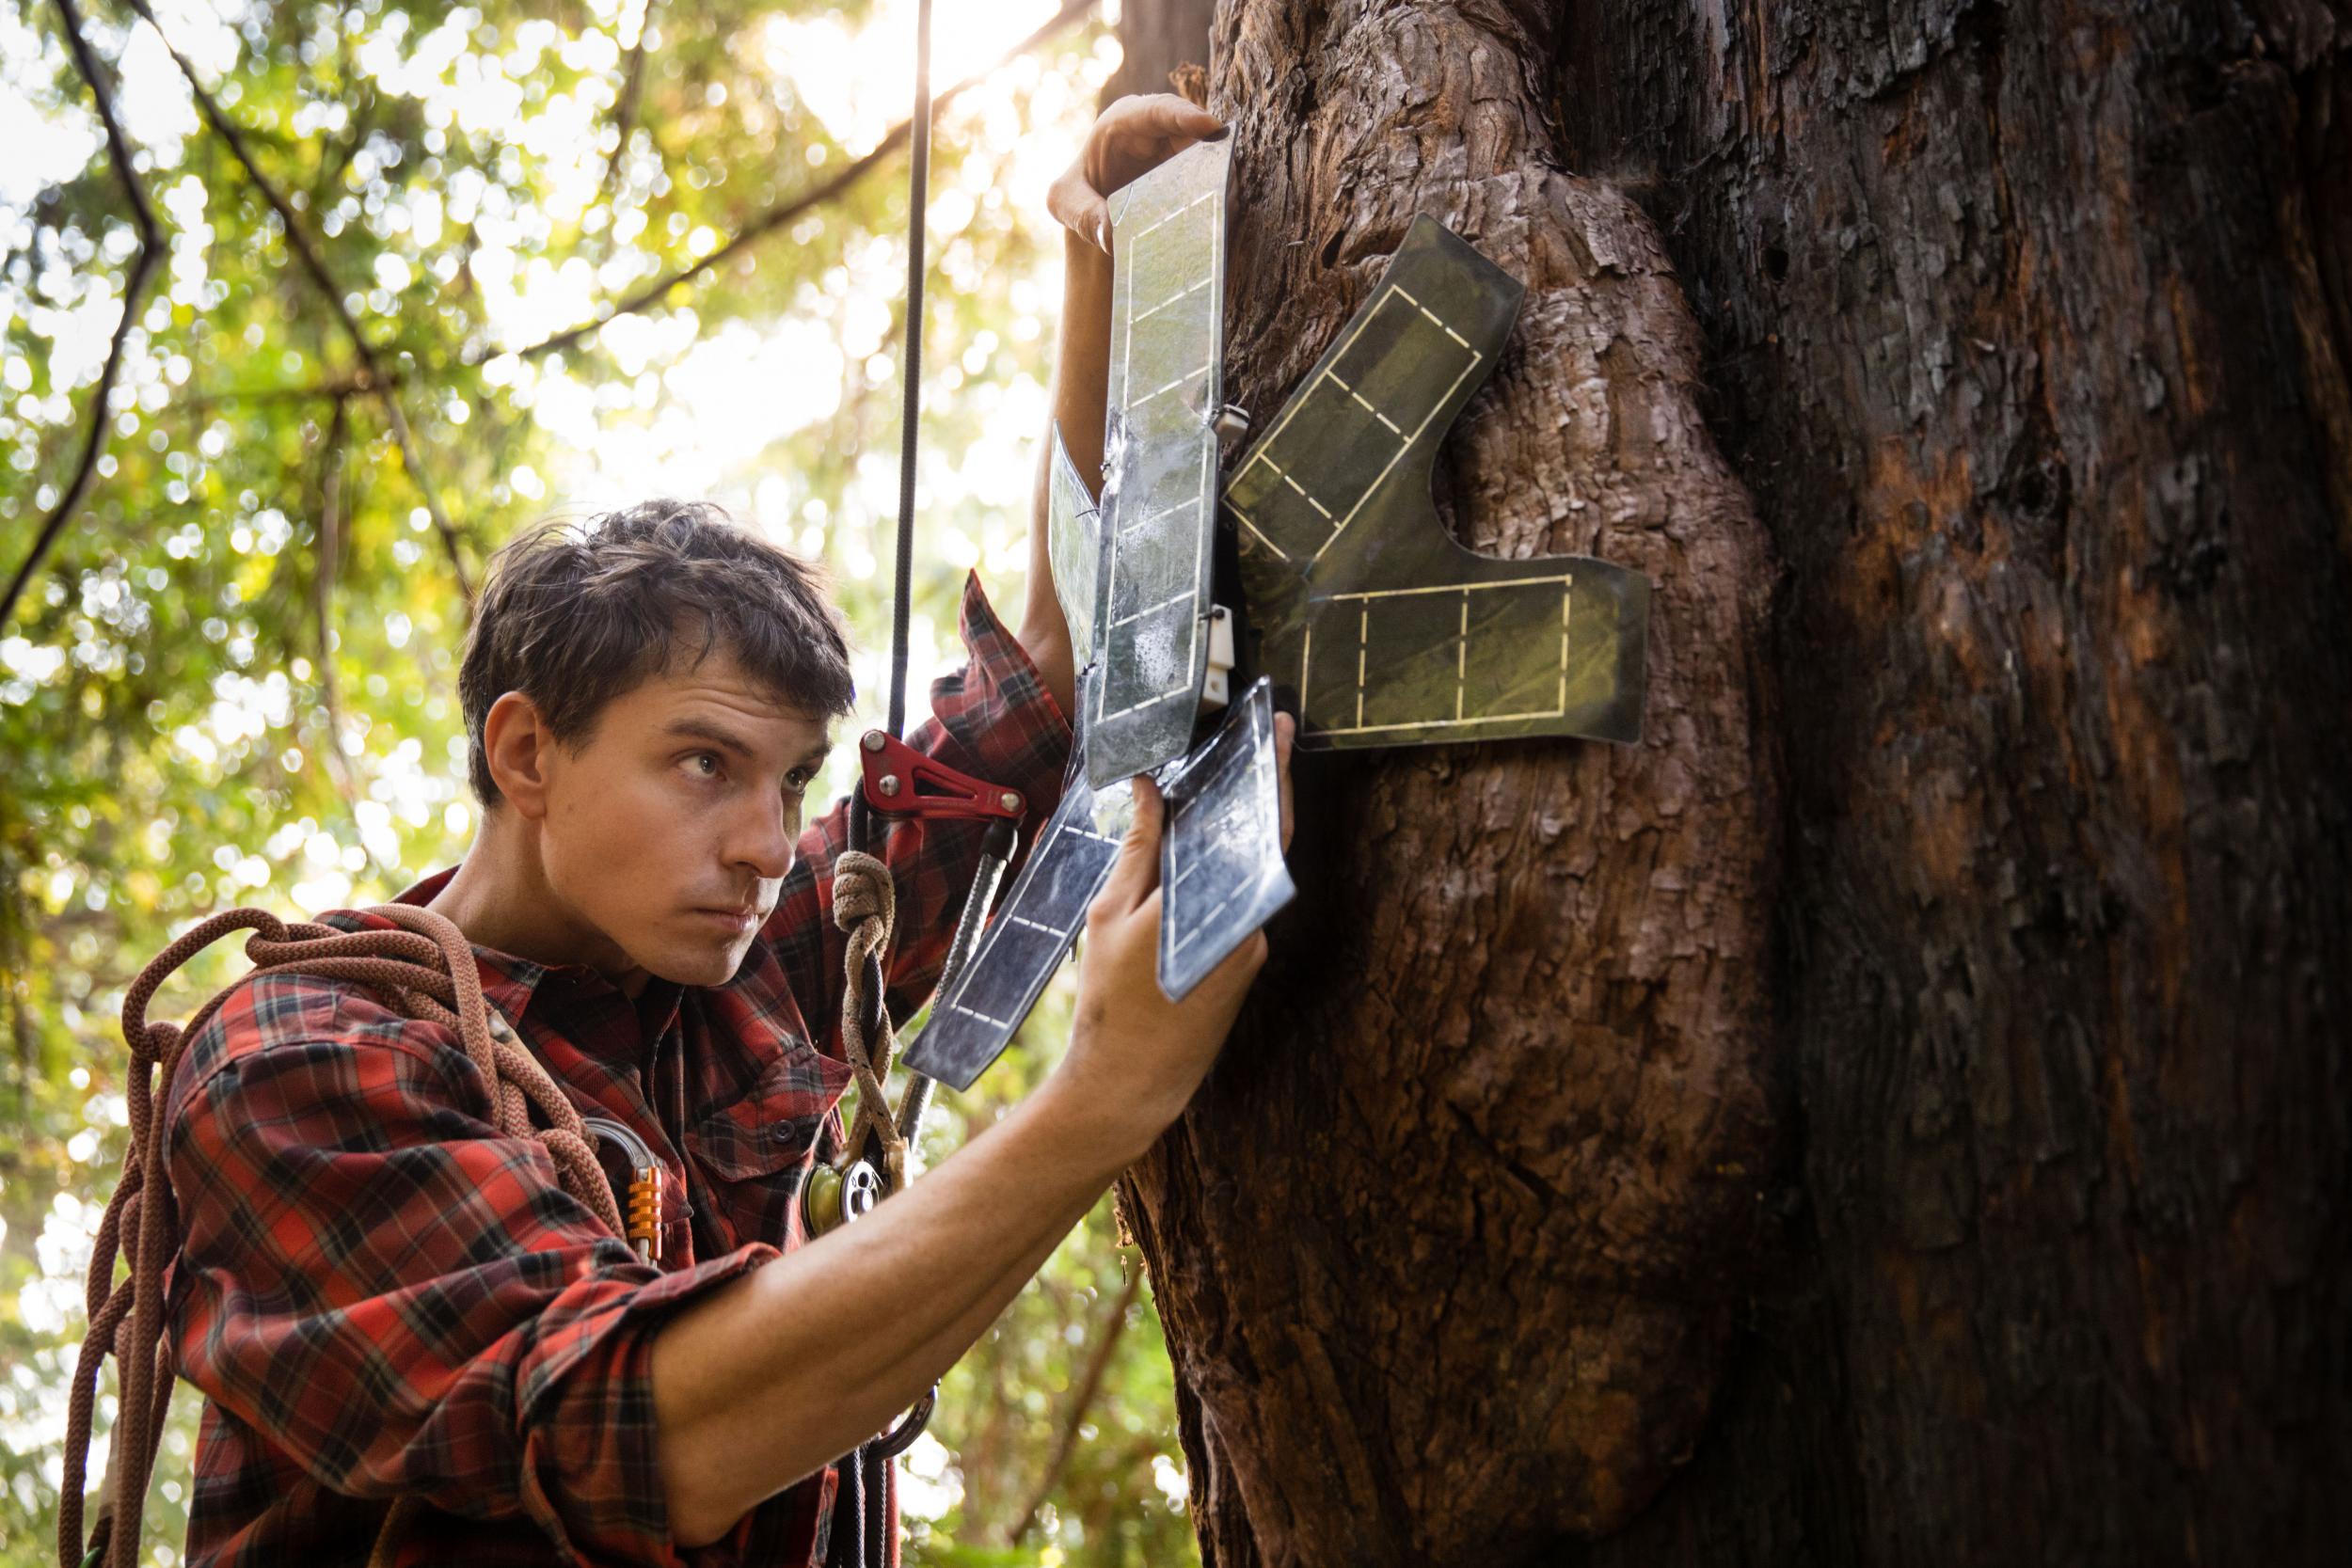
385	388
625	109
1089	1384
325	568
335	390
135	285
775	217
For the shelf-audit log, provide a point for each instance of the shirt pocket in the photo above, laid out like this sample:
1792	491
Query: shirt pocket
757	1151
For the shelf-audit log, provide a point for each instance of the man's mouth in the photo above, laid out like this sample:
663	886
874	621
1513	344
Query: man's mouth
742	917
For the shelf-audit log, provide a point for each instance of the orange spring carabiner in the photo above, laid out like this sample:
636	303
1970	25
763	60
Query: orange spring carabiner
641	1212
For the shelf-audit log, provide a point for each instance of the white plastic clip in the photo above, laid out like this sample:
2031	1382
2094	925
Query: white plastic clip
1217	688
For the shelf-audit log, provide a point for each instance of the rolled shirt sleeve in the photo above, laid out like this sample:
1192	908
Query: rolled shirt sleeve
404	1300
992	719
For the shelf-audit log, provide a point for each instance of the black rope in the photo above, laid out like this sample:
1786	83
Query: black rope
862	1514
918	198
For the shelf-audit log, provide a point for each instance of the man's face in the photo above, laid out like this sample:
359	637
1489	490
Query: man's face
669	830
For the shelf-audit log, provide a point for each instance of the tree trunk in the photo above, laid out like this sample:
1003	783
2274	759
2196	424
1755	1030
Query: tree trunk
1975	1194
1450	1247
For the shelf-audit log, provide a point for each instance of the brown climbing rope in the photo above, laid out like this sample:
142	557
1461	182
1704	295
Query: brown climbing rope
426	970
865	904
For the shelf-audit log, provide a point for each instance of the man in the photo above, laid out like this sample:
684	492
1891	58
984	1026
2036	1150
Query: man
386	1300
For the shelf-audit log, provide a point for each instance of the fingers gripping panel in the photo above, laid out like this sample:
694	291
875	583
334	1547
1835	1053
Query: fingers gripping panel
1221	871
1388	631
1159	463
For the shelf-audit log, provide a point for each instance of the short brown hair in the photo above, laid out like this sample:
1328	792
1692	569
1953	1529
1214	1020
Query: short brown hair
577	614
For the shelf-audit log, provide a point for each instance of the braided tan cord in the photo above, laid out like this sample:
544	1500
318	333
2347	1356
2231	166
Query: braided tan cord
427	972
865	904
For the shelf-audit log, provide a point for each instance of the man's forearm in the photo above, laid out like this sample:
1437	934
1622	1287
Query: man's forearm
1082	358
1081	366
800	1361
920	1368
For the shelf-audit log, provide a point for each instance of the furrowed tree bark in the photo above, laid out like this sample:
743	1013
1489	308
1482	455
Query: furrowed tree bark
1450	1246
1975	1192
2029	328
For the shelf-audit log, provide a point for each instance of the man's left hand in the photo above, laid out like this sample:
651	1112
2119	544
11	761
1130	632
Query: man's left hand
1130	138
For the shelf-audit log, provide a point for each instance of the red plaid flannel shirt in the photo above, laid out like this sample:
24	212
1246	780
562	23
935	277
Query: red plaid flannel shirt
380	1296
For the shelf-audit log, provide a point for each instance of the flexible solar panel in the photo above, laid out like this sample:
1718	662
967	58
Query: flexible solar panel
1072	547
1221	871
1160	462
975	1017
1384	631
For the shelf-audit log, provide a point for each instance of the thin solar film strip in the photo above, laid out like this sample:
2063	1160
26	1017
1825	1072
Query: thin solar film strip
1221	871
1073	550
1160	462
974	1020
1384	630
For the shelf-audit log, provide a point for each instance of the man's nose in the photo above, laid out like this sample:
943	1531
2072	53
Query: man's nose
764	839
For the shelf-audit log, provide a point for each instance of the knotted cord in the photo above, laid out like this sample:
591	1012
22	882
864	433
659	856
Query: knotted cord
426	972
865	904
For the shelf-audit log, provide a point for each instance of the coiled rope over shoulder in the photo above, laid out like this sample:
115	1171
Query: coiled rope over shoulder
426	970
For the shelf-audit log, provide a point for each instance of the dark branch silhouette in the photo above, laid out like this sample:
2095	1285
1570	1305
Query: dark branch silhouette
1081	1403
325	568
382	387
775	217
133	287
625	108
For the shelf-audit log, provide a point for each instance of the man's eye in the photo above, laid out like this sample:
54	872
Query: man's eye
799	778
704	764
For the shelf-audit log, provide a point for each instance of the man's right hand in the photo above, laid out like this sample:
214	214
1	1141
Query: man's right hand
1135	1056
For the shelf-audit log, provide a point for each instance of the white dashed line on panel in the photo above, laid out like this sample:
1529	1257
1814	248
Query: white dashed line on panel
1175	298
1180	211
1154	609
1162	512
1162	392
1461	658
1309	499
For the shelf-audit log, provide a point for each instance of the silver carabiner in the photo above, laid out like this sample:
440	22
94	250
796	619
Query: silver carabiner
641	1206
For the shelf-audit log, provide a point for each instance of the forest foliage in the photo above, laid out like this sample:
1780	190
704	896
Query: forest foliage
423	274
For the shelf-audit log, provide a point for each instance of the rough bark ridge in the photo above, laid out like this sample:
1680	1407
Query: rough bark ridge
2027	324
1451	1246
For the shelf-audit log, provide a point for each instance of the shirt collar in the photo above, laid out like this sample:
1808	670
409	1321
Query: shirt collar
510	981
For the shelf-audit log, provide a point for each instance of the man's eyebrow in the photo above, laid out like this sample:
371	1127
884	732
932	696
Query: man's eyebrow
702	729
718	735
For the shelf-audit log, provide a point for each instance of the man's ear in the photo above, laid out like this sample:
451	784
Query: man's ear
518	746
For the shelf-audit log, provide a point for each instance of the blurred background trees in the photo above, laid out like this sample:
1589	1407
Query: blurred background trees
419	275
